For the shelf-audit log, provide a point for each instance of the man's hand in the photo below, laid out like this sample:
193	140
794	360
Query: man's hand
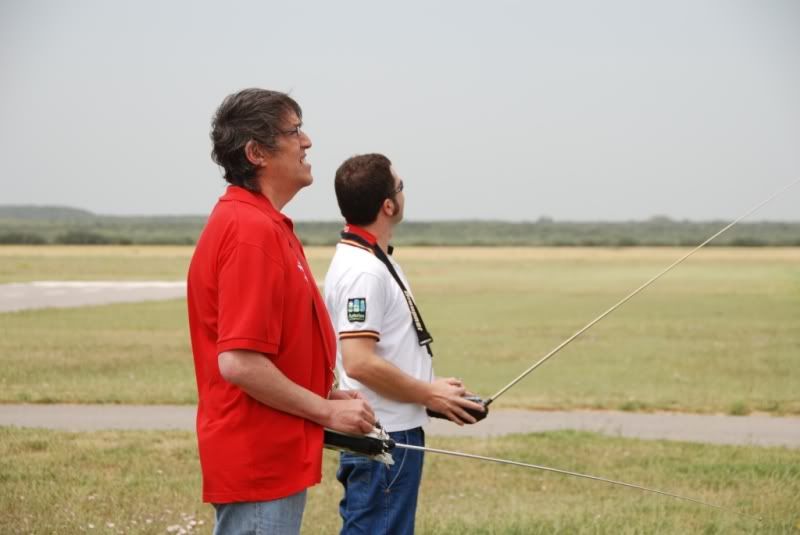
262	380
352	416
345	394
446	397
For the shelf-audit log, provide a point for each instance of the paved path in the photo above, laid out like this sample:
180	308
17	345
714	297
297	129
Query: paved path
715	429
64	294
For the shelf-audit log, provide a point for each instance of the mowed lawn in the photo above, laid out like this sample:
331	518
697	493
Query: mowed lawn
19	263
148	482
720	333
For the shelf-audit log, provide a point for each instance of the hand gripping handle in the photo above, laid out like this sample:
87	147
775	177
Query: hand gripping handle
478	415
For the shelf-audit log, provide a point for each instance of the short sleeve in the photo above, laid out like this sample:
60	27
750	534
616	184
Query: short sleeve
360	307
251	292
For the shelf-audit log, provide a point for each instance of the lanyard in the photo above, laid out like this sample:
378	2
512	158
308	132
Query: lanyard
423	335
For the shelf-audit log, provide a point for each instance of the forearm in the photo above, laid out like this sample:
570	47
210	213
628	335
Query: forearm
390	381
256	375
444	395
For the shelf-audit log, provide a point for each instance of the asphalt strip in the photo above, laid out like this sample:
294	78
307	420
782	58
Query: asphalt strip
68	294
759	430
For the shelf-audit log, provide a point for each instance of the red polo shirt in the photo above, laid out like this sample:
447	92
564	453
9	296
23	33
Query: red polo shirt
250	287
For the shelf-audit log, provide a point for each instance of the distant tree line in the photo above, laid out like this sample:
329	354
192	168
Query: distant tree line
62	225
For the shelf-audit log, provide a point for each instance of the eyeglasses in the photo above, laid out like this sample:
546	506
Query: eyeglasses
294	132
399	188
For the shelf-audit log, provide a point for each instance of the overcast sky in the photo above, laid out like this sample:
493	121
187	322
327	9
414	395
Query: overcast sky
575	110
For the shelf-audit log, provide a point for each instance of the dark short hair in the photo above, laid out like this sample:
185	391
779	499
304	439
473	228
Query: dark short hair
256	114
362	184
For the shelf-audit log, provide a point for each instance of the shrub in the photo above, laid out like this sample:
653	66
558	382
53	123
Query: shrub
83	237
748	241
22	238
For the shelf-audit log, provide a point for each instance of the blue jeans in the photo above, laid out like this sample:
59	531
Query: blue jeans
275	517
380	499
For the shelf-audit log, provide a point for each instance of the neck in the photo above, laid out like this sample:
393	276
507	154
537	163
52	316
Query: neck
279	197
382	230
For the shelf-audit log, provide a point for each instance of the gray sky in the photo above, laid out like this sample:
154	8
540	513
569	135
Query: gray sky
576	110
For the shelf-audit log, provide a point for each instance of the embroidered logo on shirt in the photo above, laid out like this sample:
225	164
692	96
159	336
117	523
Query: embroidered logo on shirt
303	271
357	309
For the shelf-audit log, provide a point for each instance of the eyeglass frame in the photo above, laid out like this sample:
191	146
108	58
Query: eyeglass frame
294	132
399	188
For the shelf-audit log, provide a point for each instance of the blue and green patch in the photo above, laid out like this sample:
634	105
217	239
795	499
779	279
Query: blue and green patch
357	309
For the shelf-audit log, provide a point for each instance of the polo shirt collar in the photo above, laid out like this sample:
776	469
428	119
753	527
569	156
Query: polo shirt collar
237	193
364	234
360	232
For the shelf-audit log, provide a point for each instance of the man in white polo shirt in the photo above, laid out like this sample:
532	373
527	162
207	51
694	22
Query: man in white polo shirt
384	349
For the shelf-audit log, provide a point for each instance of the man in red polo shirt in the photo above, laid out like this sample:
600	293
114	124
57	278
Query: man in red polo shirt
264	348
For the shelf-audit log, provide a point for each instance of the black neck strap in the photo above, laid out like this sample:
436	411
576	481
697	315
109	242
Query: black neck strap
423	335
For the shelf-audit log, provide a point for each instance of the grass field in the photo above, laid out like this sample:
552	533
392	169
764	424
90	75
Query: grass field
30	263
721	333
148	482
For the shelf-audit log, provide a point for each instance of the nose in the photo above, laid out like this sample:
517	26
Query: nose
305	141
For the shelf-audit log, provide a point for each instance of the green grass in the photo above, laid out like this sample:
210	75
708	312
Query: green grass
719	334
101	262
123	353
722	328
145	482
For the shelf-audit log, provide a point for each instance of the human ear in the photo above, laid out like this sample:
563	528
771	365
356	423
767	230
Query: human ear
389	207
254	153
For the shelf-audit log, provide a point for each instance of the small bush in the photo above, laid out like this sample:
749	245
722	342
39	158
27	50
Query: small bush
21	238
85	237
739	408
627	242
633	406
748	241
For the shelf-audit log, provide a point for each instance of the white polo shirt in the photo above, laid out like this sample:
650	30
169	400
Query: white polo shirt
365	301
